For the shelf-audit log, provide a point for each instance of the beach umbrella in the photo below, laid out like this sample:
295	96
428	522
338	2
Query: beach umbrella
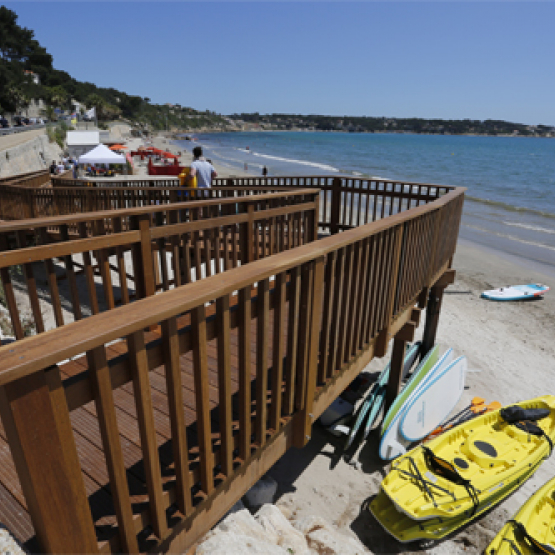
118	147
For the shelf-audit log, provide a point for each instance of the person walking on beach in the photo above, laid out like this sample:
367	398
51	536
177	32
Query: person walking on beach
202	169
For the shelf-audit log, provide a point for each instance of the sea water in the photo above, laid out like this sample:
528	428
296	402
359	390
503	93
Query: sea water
510	199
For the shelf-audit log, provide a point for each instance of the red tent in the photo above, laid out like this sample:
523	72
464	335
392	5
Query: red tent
169	155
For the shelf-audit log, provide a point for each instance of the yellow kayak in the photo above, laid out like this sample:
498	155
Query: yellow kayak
532	530
404	529
459	471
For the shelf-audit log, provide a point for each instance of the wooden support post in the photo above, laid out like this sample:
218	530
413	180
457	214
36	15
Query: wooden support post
335	205
433	309
303	431
397	362
36	420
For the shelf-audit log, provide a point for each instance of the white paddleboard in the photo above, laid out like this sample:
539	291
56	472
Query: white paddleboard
434	401
393	444
516	292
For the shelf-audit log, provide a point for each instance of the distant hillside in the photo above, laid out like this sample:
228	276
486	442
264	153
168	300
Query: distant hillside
26	72
399	125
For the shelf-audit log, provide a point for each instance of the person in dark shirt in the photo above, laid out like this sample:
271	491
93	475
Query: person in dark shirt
53	167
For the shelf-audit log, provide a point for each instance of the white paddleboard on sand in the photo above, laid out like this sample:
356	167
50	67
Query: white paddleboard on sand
516	292
393	444
434	401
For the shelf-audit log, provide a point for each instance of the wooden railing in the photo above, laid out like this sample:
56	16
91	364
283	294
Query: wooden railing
32	179
321	312
136	252
18	203
345	202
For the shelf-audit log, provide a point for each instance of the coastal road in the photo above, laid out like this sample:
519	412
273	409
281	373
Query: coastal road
9	141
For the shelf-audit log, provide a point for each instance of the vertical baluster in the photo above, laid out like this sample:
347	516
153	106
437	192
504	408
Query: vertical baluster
263	308
217	249
245	372
162	253
347	308
328	316
70	273
104	265
365	292
9	293
145	419
278	346
99	374
89	271
52	282
122	270
224	384
204	430
354	303
32	292
292	339
186	257
307	276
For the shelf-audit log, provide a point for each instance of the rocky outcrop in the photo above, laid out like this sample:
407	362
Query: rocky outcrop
270	532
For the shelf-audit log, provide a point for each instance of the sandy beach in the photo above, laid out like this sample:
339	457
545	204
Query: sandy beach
185	158
511	357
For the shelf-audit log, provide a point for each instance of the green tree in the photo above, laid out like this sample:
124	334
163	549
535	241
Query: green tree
57	96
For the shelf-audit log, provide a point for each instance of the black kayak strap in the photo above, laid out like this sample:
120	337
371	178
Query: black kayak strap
543	548
532	428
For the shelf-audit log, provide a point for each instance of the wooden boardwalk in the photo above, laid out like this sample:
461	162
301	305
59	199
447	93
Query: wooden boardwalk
160	414
13	508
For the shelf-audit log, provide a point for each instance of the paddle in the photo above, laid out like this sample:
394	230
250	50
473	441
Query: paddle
476	405
476	402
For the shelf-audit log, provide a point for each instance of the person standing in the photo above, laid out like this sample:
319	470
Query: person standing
264	171
202	169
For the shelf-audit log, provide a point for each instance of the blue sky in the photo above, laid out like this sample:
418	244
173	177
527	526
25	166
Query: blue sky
439	59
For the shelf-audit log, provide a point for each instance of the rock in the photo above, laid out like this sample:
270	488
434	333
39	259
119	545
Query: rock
275	524
242	523
308	524
239	506
8	543
327	541
261	493
238	544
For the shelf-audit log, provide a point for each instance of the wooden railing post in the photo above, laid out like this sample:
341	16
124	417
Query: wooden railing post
36	421
247	235
305	417
335	205
143	261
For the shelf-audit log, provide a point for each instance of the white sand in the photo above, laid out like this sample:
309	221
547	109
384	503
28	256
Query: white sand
509	347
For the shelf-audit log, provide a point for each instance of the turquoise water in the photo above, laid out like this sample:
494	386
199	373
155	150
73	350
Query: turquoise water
510	202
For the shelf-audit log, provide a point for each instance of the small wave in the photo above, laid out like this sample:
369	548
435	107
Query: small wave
510	207
292	161
531	227
511	237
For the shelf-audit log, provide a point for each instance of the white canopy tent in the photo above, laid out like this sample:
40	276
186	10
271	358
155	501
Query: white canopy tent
101	155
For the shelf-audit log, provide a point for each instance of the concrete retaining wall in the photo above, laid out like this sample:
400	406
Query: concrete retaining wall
35	154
